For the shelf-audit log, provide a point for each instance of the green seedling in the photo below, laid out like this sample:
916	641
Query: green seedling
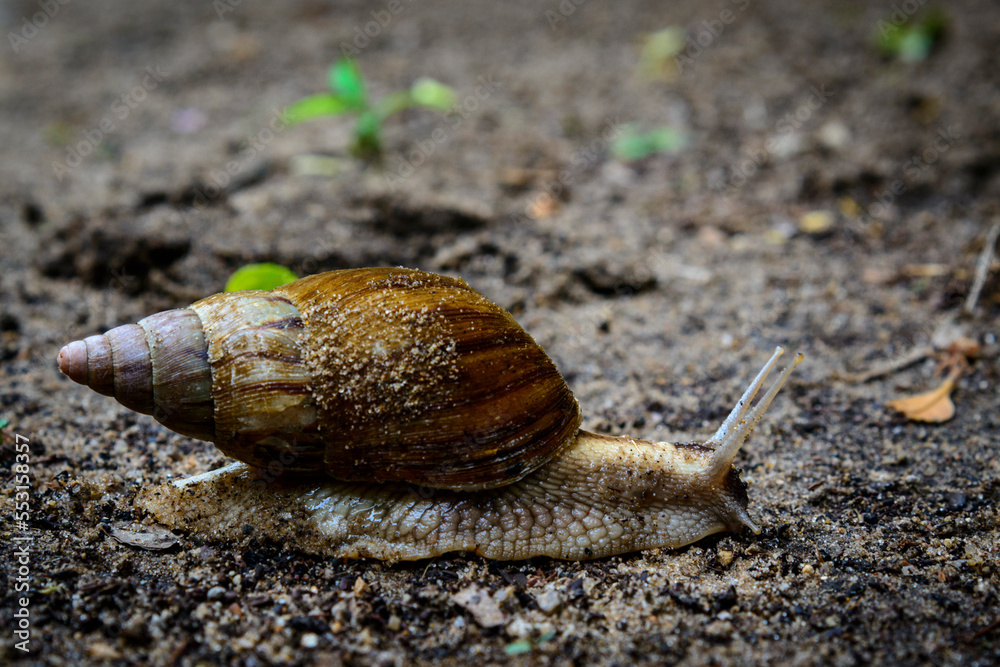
265	276
914	40
349	96
526	645
632	144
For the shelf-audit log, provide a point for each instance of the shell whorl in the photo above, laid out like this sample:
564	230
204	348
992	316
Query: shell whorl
158	367
418	377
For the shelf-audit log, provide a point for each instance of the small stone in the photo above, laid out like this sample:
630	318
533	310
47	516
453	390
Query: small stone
834	135
216	593
788	144
726	557
956	500
309	640
394	623
719	630
505	597
808	570
548	602
816	222
103	651
483	608
519	629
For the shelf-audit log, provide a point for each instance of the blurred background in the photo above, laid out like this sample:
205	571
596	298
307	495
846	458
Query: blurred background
659	192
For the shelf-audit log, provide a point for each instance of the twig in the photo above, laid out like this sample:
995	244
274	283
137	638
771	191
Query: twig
891	366
982	632
983	265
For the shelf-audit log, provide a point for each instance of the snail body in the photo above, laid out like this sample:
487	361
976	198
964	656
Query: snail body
399	414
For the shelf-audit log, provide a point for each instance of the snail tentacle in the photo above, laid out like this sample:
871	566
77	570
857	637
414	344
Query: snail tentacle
740	423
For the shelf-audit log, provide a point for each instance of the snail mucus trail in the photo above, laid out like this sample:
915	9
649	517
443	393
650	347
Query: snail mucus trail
397	414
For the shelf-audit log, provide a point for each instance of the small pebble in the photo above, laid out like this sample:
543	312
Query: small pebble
816	222
216	593
309	640
483	608
548	602
834	135
519	629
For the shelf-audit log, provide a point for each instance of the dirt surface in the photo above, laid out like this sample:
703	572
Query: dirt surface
144	160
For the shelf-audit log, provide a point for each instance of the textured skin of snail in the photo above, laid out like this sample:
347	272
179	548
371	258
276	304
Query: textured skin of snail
397	414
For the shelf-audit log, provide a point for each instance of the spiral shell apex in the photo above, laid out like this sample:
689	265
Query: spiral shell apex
157	367
365	374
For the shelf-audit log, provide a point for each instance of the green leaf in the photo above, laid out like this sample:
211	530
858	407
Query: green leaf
432	94
915	45
425	92
913	41
264	276
347	84
632	145
3	423
310	107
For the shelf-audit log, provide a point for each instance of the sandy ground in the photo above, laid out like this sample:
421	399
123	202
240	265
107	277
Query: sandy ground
142	164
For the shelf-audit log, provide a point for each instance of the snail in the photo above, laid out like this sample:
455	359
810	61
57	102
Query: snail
398	414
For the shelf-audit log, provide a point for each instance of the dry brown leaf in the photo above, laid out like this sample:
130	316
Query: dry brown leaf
934	406
965	347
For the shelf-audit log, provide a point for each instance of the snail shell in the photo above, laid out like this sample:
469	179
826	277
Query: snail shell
368	374
392	380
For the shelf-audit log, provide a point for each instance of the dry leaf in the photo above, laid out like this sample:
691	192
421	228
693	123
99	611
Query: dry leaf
925	270
816	222
153	538
965	347
934	406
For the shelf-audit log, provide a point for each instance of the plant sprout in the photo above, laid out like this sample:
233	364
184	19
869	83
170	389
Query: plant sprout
349	96
913	41
633	144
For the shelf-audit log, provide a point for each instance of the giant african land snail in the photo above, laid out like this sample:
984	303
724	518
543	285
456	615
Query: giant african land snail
390	380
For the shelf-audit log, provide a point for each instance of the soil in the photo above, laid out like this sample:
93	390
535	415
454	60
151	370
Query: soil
145	159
